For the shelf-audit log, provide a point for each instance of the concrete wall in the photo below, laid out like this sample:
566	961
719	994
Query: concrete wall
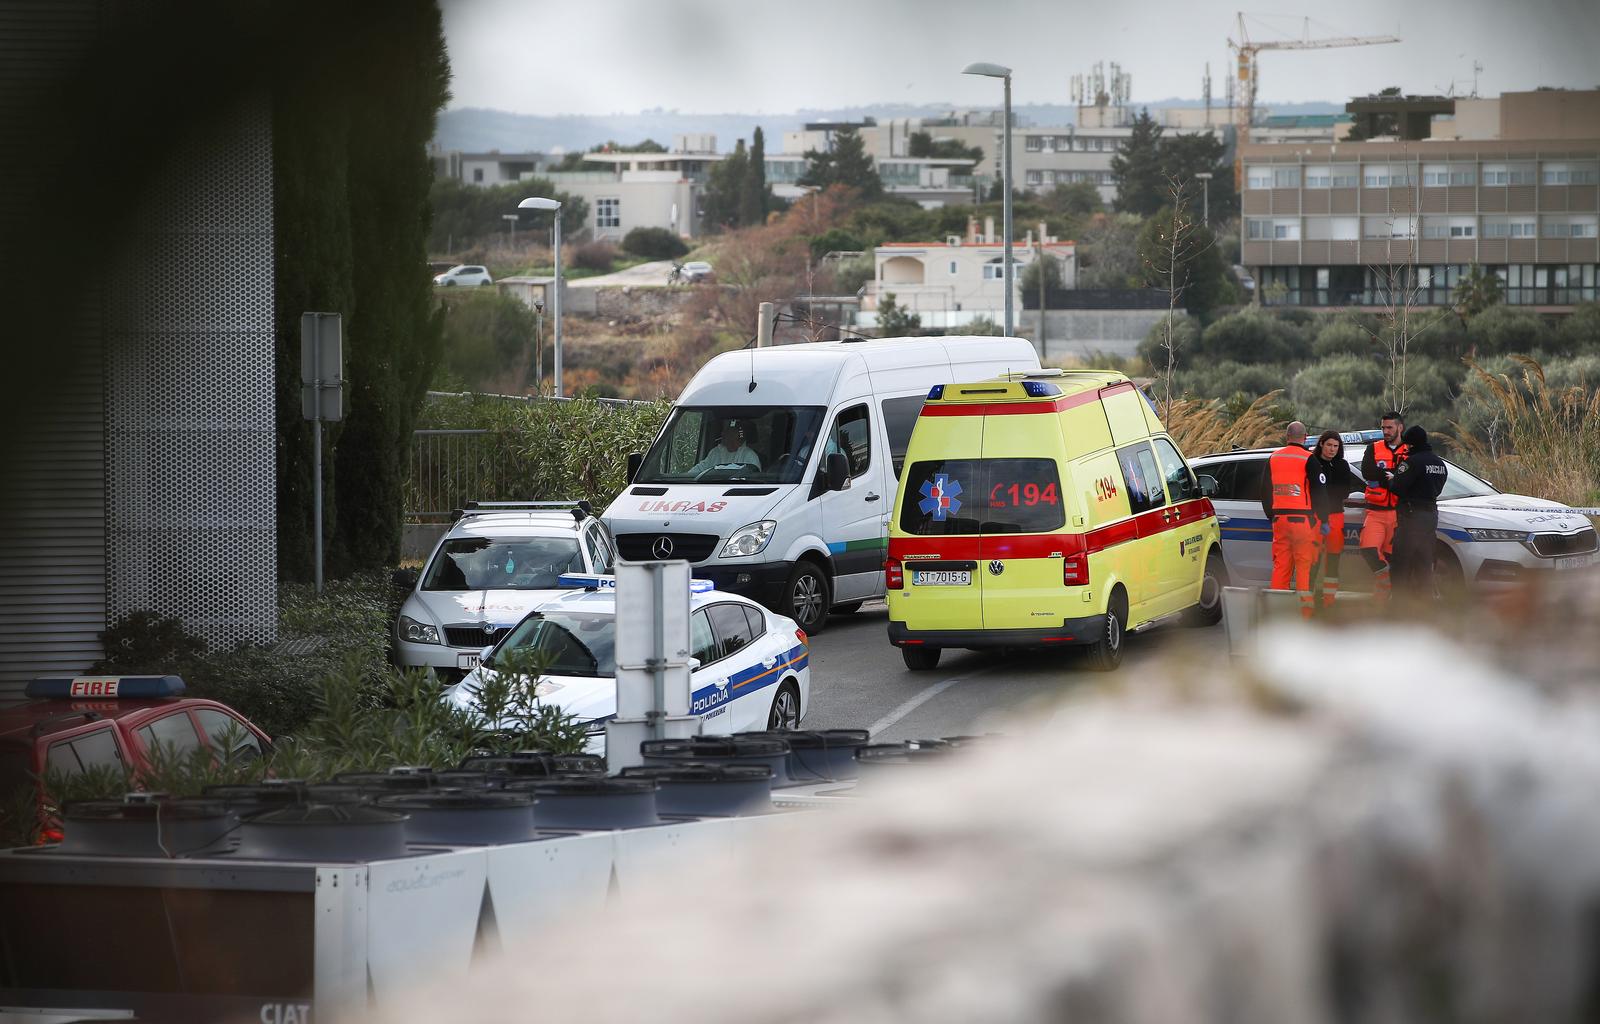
1078	332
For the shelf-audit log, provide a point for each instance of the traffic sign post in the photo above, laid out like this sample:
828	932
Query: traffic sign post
321	399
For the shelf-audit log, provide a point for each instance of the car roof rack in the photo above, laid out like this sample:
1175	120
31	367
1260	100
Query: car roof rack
580	508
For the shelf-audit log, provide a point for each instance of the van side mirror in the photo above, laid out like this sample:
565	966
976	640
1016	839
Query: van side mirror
838	471
635	460
1208	485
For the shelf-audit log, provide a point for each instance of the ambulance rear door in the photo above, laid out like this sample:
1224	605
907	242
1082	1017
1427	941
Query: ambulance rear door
940	516
1024	510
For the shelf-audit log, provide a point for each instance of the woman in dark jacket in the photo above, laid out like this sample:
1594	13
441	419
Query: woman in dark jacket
1331	481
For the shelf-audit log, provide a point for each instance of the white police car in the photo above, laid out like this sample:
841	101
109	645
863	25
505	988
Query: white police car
1485	537
751	667
498	562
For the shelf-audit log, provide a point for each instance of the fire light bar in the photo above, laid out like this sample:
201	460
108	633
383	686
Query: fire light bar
101	687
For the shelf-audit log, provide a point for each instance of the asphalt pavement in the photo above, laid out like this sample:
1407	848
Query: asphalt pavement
858	680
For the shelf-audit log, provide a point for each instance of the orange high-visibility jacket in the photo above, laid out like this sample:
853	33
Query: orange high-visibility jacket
1383	457
1286	470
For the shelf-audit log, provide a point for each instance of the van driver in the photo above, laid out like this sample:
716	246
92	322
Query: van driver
730	451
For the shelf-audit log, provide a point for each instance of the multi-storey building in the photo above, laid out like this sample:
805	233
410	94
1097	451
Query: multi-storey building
1046	157
1511	184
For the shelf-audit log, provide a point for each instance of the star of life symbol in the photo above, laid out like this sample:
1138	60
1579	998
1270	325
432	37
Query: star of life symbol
939	497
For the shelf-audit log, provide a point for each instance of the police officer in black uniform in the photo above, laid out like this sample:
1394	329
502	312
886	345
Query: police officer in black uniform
1417	484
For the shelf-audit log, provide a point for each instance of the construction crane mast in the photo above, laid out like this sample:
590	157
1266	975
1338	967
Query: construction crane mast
1249	51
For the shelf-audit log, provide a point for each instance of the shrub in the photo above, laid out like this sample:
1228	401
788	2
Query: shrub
486	334
1504	330
1338	391
1185	333
836	240
850	275
981	326
1253	336
1227	379
1579	334
596	256
1343	337
654	244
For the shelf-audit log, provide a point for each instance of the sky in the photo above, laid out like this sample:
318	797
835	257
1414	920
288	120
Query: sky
765	56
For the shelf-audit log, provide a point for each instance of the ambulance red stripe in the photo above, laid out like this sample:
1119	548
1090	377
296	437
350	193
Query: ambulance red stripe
1044	545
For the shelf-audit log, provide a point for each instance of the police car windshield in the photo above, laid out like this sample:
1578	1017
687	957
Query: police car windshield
733	443
1458	484
524	563
568	643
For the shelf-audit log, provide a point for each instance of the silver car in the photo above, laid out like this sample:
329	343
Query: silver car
494	565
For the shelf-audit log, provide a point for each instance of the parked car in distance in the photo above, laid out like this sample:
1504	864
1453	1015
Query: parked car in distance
69	726
491	568
465	275
750	666
695	271
1485	538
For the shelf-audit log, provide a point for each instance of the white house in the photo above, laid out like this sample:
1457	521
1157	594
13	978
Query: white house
952	282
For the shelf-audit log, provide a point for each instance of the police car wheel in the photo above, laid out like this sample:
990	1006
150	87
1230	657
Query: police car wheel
920	658
785	714
1105	654
1208	612
805	598
1449	581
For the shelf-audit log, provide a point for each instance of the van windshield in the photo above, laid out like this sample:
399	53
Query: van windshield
727	443
953	496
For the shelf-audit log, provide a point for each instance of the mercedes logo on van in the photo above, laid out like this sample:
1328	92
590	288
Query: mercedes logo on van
996	567
662	548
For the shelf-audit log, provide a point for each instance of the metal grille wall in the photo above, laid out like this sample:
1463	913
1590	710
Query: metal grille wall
190	474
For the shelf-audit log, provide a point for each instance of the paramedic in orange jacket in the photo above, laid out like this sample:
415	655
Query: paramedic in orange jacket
1288	505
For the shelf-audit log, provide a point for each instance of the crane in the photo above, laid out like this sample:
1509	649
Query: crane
1249	51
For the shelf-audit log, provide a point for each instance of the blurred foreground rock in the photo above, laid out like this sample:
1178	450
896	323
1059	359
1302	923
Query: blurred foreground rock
1345	838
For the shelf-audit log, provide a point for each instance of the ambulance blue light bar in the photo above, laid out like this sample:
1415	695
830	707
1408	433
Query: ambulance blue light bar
936	392
1039	389
597	581
103	687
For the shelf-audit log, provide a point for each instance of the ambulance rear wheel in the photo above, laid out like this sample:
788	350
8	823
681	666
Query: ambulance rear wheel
1208	611
920	658
805	597
1105	654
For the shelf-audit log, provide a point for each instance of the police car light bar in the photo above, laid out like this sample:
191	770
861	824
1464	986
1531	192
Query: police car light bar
126	687
598	581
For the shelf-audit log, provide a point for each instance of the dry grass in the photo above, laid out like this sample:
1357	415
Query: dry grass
1544	442
1199	426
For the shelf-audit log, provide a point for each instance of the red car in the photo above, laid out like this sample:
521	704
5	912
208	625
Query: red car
70	725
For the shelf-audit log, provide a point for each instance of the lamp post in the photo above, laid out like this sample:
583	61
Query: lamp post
1205	185
511	228
1003	73
537	203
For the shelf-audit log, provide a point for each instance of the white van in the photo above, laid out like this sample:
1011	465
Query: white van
775	473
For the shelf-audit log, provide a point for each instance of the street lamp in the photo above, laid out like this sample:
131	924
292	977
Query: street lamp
1205	184
511	227
998	71
537	203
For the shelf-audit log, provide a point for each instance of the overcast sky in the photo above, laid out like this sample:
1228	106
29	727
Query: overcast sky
765	56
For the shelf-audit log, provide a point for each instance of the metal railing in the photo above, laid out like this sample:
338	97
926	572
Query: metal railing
452	467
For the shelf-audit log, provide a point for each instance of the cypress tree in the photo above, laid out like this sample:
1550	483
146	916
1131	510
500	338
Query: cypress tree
753	194
1137	169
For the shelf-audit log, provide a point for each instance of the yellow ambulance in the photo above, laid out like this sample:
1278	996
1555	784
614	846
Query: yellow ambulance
1046	509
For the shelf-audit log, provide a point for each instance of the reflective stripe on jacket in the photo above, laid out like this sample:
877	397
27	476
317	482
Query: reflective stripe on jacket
1286	470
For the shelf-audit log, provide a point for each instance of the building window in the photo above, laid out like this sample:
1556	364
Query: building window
477	174
952	267
1585	174
1556	174
608	213
1257	229
1376	177
1319	177
1286	177
1034	144
1345	177
1036	177
1258	177
1569	227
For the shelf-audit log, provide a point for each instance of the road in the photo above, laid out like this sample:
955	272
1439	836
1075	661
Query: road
645	275
859	681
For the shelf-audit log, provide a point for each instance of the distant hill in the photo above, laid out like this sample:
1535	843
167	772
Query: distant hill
476	130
